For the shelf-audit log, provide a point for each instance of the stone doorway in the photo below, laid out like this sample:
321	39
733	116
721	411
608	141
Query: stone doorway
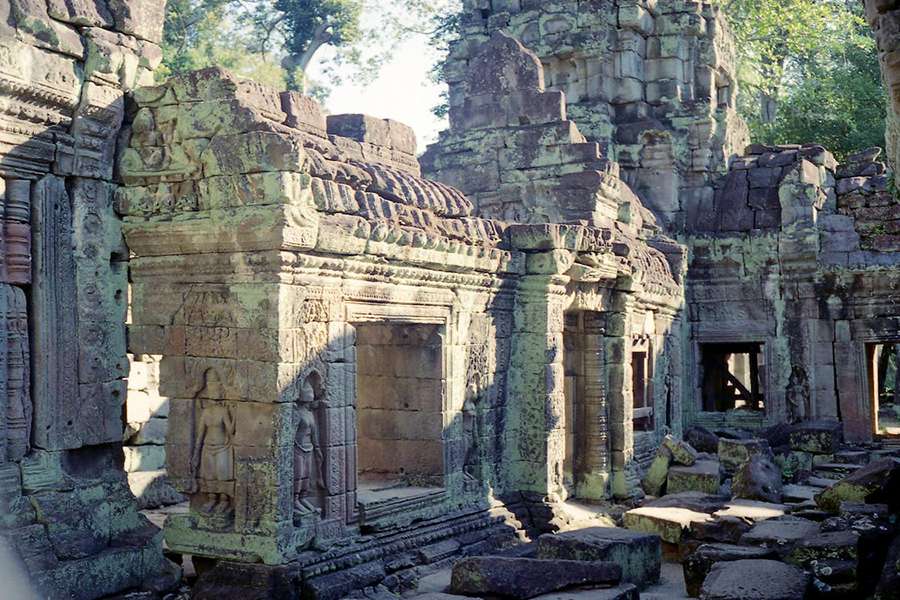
884	385
399	412
583	398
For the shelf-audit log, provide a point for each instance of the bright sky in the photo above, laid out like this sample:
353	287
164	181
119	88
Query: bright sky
403	91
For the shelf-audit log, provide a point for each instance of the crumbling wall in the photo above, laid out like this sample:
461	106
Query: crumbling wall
884	17
65	505
653	83
797	253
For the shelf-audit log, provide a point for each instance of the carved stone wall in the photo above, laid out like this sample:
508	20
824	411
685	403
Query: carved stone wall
267	258
65	506
799	254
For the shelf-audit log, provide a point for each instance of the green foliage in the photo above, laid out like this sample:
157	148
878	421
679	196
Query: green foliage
276	41
808	72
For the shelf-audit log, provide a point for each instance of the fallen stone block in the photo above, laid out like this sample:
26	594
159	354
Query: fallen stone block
639	554
695	501
725	530
758	479
878	481
524	578
682	452
698	565
654	481
782	533
836	545
799	493
751	511
703	476
734	453
755	579
817	437
669	523
702	439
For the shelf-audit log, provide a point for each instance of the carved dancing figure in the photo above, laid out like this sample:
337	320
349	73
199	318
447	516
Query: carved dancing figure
308	460
798	395
212	461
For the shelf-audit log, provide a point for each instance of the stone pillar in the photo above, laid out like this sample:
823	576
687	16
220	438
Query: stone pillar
617	342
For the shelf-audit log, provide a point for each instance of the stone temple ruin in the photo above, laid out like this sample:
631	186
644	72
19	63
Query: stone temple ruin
591	303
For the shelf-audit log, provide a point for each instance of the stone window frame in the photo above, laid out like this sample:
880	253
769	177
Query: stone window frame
767	383
356	313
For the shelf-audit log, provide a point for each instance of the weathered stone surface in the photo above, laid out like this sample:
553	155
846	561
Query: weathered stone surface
758	479
702	439
699	563
780	533
879	481
638	554
703	477
817	437
670	524
754	580
682	452
654	481
735	452
524	578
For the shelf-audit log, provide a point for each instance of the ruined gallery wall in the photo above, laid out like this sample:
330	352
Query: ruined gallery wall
652	82
66	507
884	17
799	254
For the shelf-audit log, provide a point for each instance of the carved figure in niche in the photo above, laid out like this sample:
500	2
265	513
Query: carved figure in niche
212	461
308	460
798	395
19	408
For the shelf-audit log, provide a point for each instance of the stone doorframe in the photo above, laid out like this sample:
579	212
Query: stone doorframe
356	313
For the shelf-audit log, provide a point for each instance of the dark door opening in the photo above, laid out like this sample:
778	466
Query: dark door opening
884	380
731	376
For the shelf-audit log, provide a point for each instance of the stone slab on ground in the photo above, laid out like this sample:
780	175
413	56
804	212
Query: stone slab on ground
833	545
669	523
799	493
781	533
698	565
755	580
524	578
817	437
696	501
703	476
726	529
855	457
751	510
639	554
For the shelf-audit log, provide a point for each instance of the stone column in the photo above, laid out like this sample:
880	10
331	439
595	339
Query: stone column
617	343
